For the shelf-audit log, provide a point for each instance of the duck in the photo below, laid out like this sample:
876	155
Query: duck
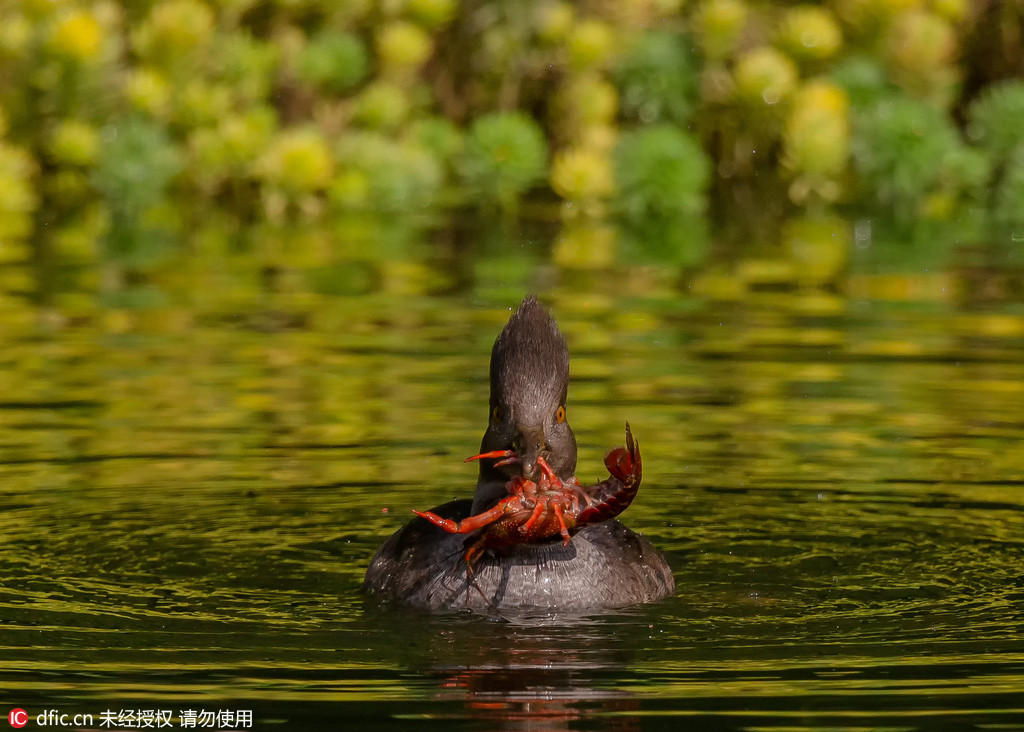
604	566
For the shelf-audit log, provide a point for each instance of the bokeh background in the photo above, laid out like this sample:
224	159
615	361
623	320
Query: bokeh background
159	153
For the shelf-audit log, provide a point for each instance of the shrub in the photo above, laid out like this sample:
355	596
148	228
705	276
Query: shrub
505	154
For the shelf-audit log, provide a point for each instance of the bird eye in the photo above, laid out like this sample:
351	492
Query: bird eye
560	414
497	414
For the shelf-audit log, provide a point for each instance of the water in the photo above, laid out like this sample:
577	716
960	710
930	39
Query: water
189	498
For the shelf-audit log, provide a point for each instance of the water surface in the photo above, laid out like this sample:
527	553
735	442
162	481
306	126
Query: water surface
189	497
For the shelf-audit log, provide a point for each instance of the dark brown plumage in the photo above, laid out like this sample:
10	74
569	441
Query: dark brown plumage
529	382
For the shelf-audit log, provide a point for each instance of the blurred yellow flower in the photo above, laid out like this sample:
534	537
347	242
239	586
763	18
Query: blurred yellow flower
593	99
553	21
403	47
433	13
172	28
952	10
585	101
75	142
810	32
867	16
77	35
818	246
200	103
298	161
591	44
18	198
147	90
816	141
585	244
232	147
381	105
719	25
817	135
245	135
350	189
921	41
599	138
15	34
764	75
582	175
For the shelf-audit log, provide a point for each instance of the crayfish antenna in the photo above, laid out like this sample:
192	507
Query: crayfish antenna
508	455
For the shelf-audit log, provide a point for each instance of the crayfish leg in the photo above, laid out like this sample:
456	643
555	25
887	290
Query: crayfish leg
563	529
471	524
538	511
447	524
495	512
471	555
546	472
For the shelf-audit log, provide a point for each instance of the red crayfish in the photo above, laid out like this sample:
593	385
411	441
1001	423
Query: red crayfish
534	512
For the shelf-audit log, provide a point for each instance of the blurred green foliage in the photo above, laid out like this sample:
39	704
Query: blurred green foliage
333	62
116	117
505	154
132	175
908	153
658	78
996	124
661	171
662	175
386	176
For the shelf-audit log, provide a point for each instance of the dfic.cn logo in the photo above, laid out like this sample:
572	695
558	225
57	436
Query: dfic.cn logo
17	717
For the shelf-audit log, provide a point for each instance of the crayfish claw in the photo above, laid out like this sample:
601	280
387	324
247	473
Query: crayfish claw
624	462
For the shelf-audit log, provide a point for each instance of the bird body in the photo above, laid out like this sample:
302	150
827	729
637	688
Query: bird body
605	565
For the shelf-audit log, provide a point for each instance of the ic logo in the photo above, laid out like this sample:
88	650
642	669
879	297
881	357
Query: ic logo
17	717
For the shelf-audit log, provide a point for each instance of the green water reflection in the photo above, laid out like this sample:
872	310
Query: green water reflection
190	493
